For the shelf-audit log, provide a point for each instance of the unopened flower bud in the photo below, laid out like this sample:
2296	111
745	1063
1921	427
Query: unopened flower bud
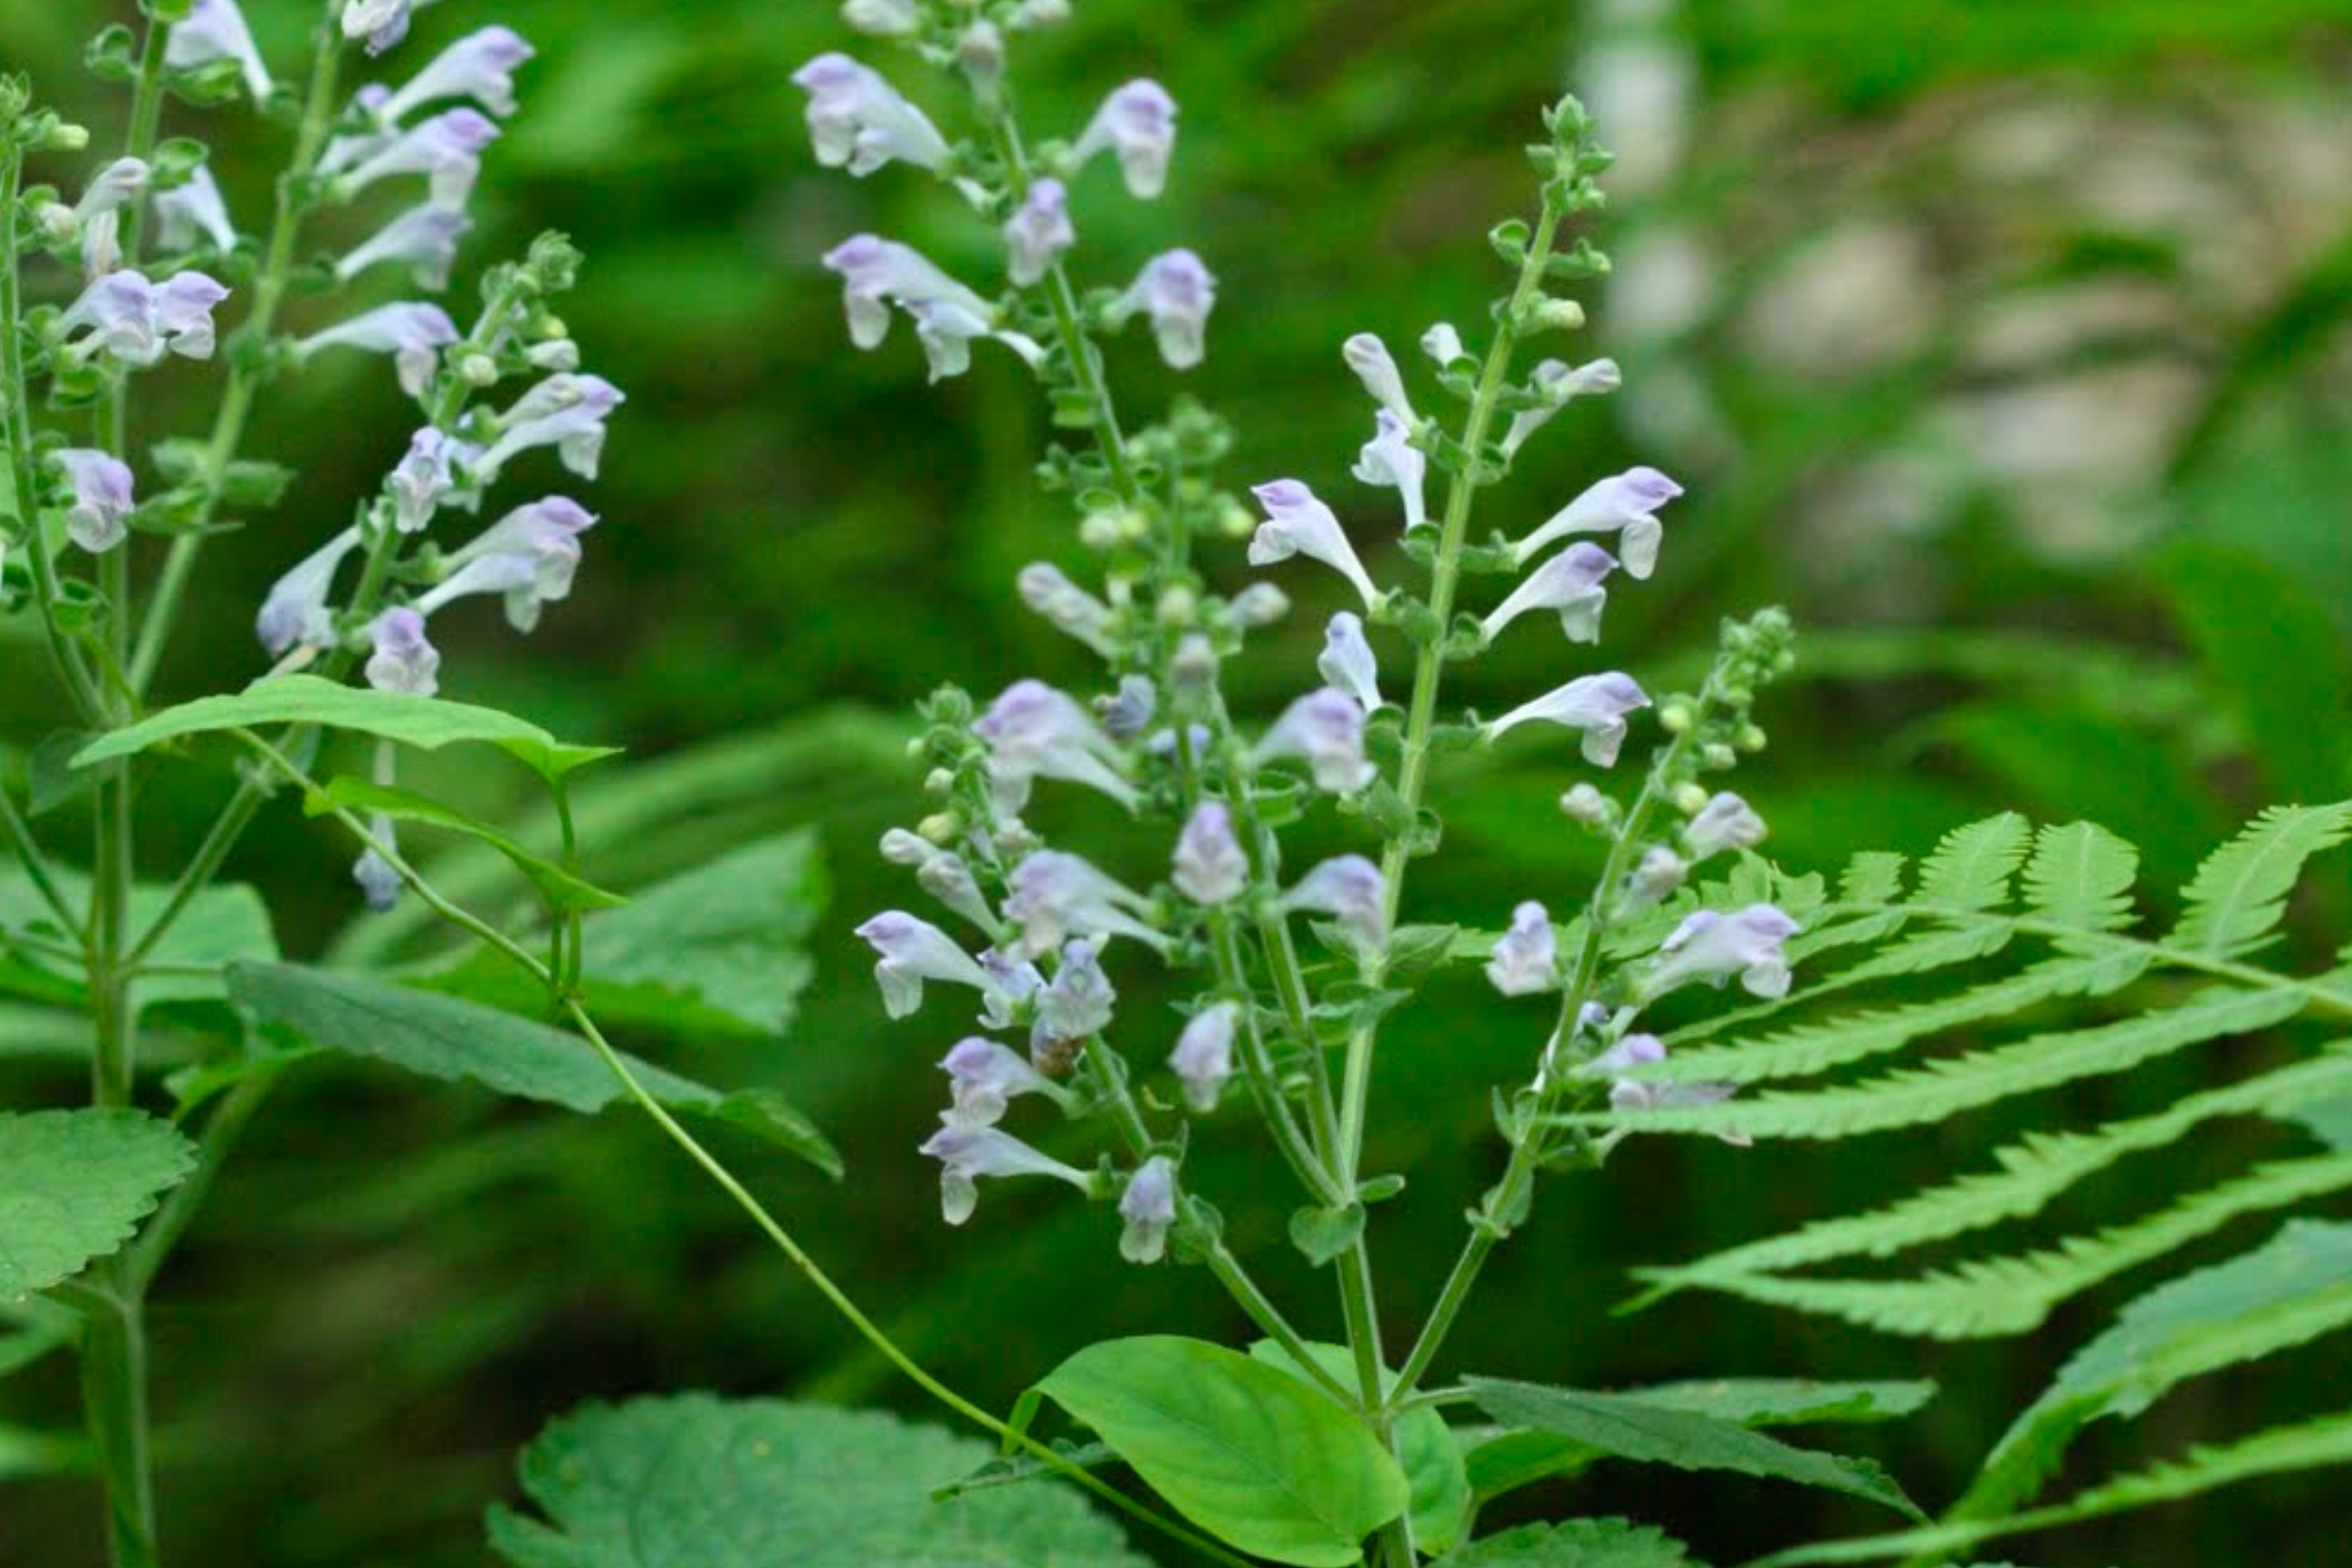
1718	755
901	847
1179	606
1690	798
1100	530
559	353
1235	521
1194	667
1560	315
1676	717
1660	872
981	54
1751	738
68	137
940	828
479	369
1261	604
939	781
1587	805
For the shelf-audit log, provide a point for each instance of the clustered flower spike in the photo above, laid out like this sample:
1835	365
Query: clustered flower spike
1211	868
1137	122
101	497
1346	660
1596	704
413	334
860	122
1148	1207
137	322
1392	459
1297	522
1626	504
1712	946
1569	584
1526	960
215	29
1326	729
1177	292
877	273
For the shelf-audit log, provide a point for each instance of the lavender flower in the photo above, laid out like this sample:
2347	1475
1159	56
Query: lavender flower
1526	960
564	412
1148	1206
858	119
1711	946
985	1076
1259	605
447	149
404	659
1443	344
946	878
1017	981
1559	382
913	952
1625	504
1069	608
378	883
1057	898
529	557
965	1154
215	29
1077	1003
1299	524
193	208
413	334
101	497
1203	1057
1635	1094
1377	369
381	24
424	240
137	322
1346	660
427	477
1654	880
1138	122
1209	865
882	18
876	274
1595	703
1039	232
1326	729
1035	732
480	66
348	150
1350	889
1570	584
96	218
296	611
1129	712
1177	292
1725	822
1392	459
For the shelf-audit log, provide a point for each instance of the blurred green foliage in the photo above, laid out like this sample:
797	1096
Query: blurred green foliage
2016	366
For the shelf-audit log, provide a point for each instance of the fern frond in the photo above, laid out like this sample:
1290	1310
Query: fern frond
1971	867
2239	894
2081	875
1964	941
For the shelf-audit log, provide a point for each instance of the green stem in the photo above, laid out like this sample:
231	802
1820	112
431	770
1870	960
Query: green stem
237	398
228	1121
1259	1064
36	864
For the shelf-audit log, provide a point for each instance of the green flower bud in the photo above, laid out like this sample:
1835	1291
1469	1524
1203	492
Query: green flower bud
1690	798
940	828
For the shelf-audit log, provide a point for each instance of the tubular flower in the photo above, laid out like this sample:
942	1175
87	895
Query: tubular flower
380	24
1570	584
1712	946
1070	608
191	209
566	411
1725	822
946	878
1376	368
424	240
404	659
447	149
96	219
1035	732
1526	960
1595	703
965	1154
1129	712
1654	880
215	29
1209	865
1346	660
1299	524
1350	889
1442	344
1148	1207
1203	1057
1635	1052
137	322
480	66
876	274
912	951
1325	728
1177	291
101	497
1138	122
378	883
1626	506
1058	899
427	477
1039	232
985	1076
1392	459
413	334
859	121
1560	383
529	557
296	611
1077	1003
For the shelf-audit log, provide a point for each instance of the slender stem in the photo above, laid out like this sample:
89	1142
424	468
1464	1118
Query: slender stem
237	397
1259	1064
201	868
37	865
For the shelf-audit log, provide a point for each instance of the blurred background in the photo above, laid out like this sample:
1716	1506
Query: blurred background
2004	342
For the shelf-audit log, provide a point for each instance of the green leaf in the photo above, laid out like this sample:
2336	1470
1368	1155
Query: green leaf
1577	1543
1971	866
2081	874
1248	1453
1633	1428
453	1040
560	889
422	722
75	1184
226	921
1324	1233
2239	892
1425	1446
696	1482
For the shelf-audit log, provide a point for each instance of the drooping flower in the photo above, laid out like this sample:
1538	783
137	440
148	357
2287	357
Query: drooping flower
965	1154
1057	898
424	240
1392	459
413	334
296	611
1068	607
1203	1057
1443	344
946	878
1349	888
1595	703
1526	960
1148	1207
1712	946
1625	504
1654	880
378	883
1035	732
480	66
1138	122
529	557
857	120
1211	868
985	1076
1297	522
404	659
1126	715
101	497
1377	369
137	321
215	29
1346	659
1326	729
191	208
1725	822
381	24
1560	383
566	411
96	219
913	952
1636	1094
447	149
1077	1003
876	274
1039	232
1570	584
427	477
1177	291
